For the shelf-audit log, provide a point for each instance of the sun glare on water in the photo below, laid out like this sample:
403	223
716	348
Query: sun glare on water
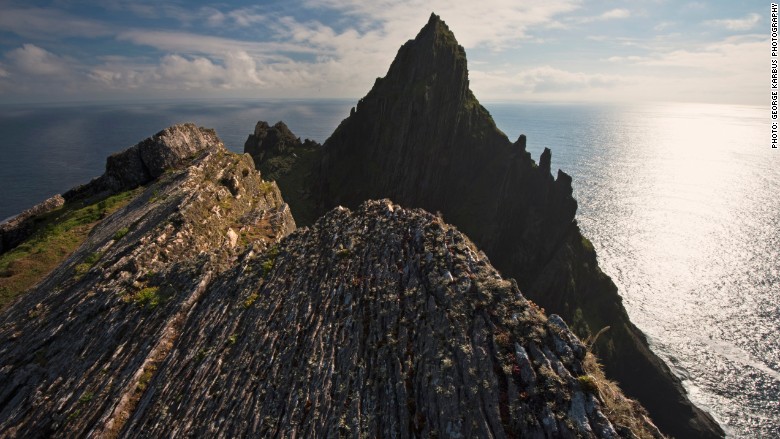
691	240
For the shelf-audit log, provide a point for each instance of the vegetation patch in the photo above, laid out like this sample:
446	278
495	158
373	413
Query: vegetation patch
250	300
57	234
86	397
121	233
266	187
270	260
146	377
89	262
588	384
620	410
148	297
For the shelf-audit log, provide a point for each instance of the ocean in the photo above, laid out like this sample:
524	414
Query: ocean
681	202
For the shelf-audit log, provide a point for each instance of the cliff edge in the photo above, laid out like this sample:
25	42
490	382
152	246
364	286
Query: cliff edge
421	138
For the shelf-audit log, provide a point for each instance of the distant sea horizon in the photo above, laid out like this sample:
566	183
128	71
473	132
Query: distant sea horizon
680	201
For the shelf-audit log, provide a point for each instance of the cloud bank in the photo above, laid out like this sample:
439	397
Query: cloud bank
563	50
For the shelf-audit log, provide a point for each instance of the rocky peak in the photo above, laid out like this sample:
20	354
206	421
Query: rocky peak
171	148
545	159
421	138
431	64
270	140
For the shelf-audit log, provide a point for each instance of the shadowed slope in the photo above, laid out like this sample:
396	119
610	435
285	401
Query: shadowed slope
421	138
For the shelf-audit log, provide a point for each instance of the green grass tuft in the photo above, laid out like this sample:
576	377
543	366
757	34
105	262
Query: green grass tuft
121	233
250	300
270	260
148	297
57	234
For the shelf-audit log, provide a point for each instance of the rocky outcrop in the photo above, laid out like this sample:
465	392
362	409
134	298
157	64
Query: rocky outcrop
169	149
383	322
421	138
20	227
140	164
77	351
273	141
276	152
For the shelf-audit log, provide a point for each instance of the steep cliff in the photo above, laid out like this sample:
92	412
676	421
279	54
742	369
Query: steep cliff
277	152
194	309
421	138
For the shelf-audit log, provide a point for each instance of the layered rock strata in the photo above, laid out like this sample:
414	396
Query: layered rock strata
421	138
77	351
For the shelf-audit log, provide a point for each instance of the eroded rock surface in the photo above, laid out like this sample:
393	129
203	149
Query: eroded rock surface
78	350
142	163
197	311
383	322
421	138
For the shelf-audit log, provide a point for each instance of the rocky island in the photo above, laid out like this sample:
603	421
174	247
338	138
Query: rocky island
192	304
421	138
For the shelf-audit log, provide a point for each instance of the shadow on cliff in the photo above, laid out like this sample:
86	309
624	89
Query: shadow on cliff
421	138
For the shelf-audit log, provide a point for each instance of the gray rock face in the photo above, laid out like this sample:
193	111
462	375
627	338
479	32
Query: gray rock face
383	322
147	160
77	351
18	228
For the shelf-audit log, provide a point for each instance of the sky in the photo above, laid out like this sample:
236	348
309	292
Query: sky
531	51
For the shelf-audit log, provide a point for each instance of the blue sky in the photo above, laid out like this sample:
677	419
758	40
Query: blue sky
541	51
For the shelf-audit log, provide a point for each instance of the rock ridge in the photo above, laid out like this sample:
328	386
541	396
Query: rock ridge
147	160
401	329
19	228
198	310
78	349
421	138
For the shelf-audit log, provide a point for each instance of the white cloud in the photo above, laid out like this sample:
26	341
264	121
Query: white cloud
541	82
612	14
245	17
187	42
281	55
31	59
632	58
733	54
615	13
736	24
489	23
37	23
550	79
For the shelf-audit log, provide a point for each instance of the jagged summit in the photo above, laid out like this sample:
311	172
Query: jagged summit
421	126
434	52
421	138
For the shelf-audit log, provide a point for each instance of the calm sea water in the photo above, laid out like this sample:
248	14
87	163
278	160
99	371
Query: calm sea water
680	201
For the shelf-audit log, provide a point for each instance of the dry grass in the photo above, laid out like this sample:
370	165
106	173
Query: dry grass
620	410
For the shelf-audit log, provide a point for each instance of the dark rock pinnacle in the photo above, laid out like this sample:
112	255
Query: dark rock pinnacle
421	138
